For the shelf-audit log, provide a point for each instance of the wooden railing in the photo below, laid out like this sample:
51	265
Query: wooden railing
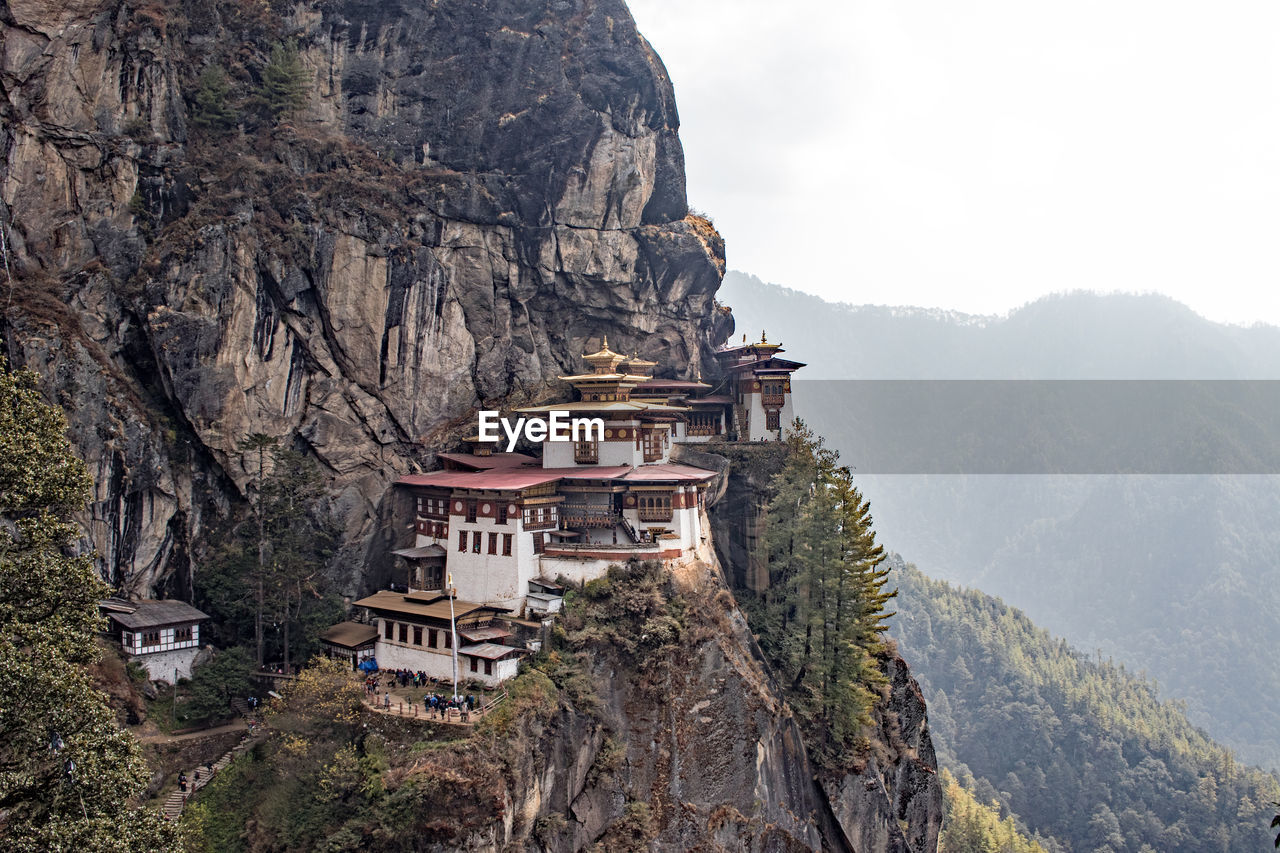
572	516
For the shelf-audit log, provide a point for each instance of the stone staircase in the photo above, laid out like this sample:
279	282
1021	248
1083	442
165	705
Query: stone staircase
177	799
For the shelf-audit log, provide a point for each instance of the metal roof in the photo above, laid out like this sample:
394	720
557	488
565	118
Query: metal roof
669	383
420	552
511	479
489	651
350	635
499	479
430	606
668	472
605	407
484	463
480	635
149	613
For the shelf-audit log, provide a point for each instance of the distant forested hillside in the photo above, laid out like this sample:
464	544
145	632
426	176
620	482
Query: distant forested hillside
1080	749
1175	575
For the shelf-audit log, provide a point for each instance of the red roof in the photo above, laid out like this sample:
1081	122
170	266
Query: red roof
481	463
504	479
510	479
593	472
669	471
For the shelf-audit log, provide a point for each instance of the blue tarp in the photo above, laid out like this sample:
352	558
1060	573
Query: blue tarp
369	665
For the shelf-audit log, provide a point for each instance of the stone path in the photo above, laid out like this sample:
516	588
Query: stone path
177	800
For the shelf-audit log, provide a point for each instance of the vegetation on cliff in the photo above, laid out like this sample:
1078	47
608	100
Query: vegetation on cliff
820	621
67	773
1082	750
264	583
333	777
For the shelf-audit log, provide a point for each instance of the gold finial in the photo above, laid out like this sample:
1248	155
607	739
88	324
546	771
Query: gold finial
763	339
606	342
744	337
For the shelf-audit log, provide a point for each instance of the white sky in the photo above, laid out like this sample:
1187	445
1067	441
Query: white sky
976	155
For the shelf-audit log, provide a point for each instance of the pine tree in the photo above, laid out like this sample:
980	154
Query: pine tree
822	618
67	772
211	111
284	81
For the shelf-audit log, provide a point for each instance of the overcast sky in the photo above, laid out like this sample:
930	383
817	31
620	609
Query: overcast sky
976	155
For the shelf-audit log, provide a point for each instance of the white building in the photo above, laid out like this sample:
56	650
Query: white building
759	385
163	636
414	632
509	527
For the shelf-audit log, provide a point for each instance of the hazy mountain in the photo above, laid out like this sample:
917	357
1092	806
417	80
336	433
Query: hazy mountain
1068	336
1175	575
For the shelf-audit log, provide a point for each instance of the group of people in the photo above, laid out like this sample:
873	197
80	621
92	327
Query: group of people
433	704
396	677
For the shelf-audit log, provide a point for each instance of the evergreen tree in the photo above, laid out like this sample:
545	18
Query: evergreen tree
284	81
212	112
822	618
280	555
67	773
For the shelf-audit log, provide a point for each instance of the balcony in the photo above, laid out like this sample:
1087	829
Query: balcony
586	453
588	516
544	524
655	514
774	401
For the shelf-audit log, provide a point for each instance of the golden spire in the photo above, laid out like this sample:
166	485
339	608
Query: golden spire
763	339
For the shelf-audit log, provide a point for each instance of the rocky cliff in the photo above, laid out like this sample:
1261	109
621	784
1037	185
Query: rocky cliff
466	196
651	724
700	736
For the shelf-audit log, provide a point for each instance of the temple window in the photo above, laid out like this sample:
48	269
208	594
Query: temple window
586	452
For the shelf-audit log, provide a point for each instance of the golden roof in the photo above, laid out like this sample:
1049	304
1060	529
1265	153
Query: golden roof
604	360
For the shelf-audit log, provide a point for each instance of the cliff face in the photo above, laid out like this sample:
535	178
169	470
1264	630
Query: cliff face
690	748
471	194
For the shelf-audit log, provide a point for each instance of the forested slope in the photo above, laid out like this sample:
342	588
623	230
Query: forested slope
1081	749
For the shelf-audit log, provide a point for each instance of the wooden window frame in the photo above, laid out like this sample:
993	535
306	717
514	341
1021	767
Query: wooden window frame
493	542
462	541
417	635
507	539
